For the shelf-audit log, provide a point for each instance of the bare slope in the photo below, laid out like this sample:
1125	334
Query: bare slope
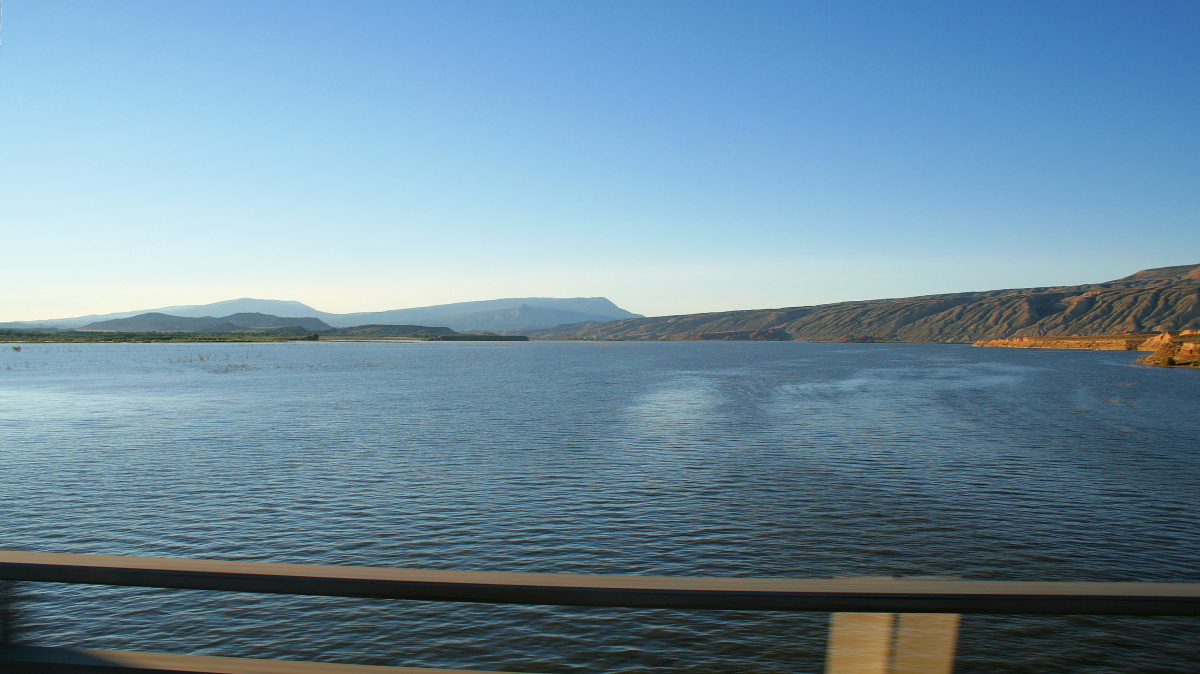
388	331
1149	301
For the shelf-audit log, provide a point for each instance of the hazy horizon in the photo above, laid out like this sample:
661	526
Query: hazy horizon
672	157
234	305
216	310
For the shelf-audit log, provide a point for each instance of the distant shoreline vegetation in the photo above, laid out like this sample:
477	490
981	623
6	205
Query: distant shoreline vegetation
74	337
92	337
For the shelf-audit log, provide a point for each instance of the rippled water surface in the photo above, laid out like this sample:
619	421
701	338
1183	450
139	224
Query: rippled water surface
721	459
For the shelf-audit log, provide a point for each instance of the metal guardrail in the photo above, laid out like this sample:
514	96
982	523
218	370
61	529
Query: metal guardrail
760	594
864	629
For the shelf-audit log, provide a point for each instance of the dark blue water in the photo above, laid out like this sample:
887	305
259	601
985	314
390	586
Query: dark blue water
723	459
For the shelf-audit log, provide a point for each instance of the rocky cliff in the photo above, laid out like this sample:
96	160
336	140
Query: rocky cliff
1102	342
1174	350
1171	349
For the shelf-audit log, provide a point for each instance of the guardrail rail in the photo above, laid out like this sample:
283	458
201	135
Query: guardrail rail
880	625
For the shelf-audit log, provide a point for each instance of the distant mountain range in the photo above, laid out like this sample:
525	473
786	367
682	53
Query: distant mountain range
259	324
1151	300
505	316
159	322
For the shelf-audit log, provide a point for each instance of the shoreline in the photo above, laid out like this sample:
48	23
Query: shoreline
76	337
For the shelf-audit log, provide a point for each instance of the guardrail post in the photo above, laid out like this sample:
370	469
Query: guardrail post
881	643
859	643
925	643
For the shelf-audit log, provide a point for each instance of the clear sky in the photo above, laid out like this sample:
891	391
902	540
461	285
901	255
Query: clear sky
674	157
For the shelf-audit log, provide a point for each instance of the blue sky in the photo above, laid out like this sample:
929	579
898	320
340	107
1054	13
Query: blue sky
674	157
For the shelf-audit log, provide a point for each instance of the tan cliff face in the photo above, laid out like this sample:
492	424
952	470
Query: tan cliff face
1102	342
1181	351
1170	349
1157	342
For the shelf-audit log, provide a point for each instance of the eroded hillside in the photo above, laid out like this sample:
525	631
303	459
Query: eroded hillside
1152	300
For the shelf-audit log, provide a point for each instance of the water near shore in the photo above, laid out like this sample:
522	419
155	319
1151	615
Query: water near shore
724	459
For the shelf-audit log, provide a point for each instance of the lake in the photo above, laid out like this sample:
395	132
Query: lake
684	458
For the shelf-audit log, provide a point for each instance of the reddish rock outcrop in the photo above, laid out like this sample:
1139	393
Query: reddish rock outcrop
1103	342
1170	349
1158	341
1181	351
